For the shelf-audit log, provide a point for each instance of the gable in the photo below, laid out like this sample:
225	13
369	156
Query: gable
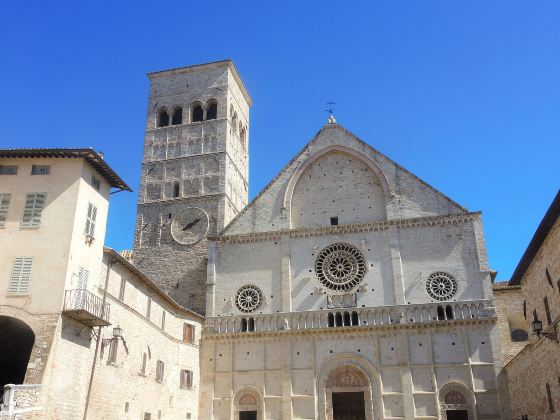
337	174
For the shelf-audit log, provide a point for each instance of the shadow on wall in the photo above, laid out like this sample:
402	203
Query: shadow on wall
76	332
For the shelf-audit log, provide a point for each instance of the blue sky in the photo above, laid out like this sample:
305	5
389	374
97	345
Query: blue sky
466	95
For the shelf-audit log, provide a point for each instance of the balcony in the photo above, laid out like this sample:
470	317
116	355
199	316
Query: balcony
85	307
394	315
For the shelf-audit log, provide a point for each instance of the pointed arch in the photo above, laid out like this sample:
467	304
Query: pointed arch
334	148
455	395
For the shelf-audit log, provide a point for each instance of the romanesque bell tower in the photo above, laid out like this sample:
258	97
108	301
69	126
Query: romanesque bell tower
194	173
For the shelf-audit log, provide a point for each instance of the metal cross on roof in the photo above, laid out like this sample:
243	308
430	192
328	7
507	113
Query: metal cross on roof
330	108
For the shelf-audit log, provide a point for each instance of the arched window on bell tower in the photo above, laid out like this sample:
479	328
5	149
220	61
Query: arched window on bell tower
197	112
211	109
162	118
177	117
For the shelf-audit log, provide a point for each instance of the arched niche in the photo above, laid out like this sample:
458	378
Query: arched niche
248	404
455	401
348	375
336	185
16	343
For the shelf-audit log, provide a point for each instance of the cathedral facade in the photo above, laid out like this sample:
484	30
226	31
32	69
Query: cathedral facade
347	289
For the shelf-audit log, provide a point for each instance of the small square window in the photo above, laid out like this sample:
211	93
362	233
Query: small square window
95	183
41	170
334	221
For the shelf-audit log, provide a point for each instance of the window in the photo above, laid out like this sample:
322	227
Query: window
549	396
147	416
186	379
20	276
143	368
334	221
519	335
547	310
243	136
188	416
163	320
234	122
549	278
177	117
212	110
34	204
525	309
113	350
159	371
8	169
90	220
149	308
122	289
95	183
535	315
163	118
126	406
176	189
188	333
197	113
40	169
4	205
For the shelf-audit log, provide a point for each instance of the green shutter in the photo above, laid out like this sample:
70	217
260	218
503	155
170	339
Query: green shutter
34	204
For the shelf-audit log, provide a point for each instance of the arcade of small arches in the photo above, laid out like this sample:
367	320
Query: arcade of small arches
198	113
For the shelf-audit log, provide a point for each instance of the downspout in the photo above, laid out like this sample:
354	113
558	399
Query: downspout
109	265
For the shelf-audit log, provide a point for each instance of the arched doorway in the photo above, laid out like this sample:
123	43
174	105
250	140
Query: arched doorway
348	394
248	405
456	402
16	343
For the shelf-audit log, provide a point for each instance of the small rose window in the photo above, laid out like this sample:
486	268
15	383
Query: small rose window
248	298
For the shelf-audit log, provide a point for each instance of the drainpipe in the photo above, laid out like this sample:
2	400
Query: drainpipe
109	265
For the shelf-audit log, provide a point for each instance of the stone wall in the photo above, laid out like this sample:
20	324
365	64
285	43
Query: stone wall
406	369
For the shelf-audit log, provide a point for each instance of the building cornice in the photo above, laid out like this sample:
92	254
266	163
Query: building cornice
414	223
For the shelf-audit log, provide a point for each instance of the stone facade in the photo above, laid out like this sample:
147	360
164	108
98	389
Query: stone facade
198	161
533	375
278	325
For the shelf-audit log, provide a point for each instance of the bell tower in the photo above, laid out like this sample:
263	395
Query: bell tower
194	173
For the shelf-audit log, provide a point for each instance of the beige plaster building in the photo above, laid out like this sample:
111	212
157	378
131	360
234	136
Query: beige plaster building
80	327
534	373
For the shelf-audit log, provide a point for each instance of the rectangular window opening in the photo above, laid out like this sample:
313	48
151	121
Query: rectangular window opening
149	308
143	368
91	219
20	276
549	395
122	289
188	333
159	371
113	350
41	170
95	183
8	169
34	203
547	310
4	205
186	379
334	221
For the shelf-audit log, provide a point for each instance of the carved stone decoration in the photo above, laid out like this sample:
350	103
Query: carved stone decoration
347	300
248	298
454	397
340	267
248	399
441	286
347	377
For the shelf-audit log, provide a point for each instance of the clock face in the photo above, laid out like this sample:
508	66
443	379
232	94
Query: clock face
189	225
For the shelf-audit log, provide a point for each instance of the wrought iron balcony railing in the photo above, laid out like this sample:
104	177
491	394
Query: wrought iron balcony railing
86	307
353	317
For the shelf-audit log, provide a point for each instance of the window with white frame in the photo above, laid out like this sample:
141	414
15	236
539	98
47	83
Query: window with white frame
34	204
159	371
4	205
90	220
186	379
20	276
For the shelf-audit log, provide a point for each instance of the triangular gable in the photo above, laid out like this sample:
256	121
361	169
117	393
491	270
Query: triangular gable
409	196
